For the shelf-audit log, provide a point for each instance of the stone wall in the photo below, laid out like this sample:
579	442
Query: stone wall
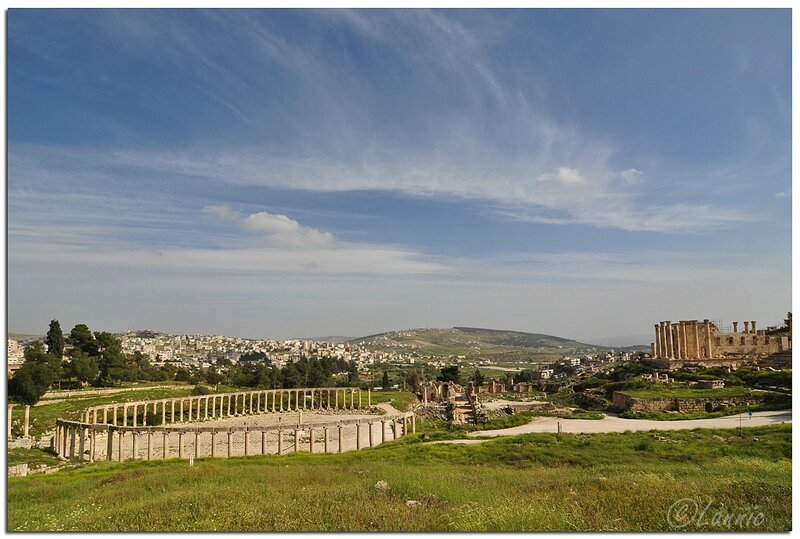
680	404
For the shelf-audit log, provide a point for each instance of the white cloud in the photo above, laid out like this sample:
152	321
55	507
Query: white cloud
783	194
631	175
564	175
277	229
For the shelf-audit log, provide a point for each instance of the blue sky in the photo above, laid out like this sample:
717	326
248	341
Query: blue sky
277	173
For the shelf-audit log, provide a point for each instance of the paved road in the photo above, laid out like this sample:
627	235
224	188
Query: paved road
618	424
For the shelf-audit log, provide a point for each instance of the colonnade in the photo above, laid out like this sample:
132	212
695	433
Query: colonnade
93	442
687	339
223	405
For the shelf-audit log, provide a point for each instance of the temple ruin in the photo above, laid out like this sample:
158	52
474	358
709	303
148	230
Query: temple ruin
704	343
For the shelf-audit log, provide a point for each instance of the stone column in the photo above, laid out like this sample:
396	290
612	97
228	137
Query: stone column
394	429
341	438
753	327
312	399
663	334
165	445
206	407
707	325
657	344
10	408
335	399
180	413
311	440
214	443
81	444
369	426
325	439
163	412
229	405
352	399
172	411
105	415
296	440
135	436
180	443
264	434
736	327
124	416
280	441
94	420
149	445
27	424
358	436
197	441
230	445
190	409
109	444
670	346
359	399
92	445
246	442
135	411
653	349
685	340
383	430
369	397
114	416
274	395
746	326
121	451
696	337
144	415
414	424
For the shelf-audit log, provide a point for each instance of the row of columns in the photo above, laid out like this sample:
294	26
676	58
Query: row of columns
81	441
227	405
682	340
26	422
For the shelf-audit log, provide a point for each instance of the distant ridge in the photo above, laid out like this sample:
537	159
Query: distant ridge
462	339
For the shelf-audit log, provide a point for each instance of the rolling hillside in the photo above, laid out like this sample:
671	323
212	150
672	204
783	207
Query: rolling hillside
472	341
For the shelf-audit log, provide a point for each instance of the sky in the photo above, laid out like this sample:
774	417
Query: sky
280	173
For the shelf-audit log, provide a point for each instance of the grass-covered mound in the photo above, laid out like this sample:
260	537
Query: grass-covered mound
530	482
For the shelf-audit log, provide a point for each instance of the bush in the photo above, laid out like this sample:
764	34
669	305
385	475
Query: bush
201	390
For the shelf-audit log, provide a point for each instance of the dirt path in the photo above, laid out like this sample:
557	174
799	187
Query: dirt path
618	424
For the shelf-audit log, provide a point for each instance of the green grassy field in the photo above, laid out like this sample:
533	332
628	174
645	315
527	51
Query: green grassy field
568	482
402	400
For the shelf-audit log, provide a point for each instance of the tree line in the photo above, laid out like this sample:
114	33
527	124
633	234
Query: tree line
97	358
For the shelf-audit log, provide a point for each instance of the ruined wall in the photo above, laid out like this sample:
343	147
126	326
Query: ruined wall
680	404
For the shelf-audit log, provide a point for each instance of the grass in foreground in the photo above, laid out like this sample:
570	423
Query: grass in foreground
531	482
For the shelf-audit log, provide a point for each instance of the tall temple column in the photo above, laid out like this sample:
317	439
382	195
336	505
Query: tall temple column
736	327
696	337
685	340
707	329
663	334
670	347
747	326
753	327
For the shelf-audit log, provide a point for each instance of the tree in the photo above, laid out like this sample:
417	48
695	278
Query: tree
385	383
81	338
414	381
30	382
55	339
81	367
113	365
449	374
478	378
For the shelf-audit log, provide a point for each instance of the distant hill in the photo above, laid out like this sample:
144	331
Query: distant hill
472	341
330	338
24	337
